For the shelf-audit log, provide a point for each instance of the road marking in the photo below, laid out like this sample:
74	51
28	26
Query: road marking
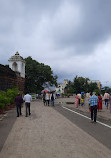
1	118
5	115
86	117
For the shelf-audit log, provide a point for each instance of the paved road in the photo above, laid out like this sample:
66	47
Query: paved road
98	131
51	132
6	123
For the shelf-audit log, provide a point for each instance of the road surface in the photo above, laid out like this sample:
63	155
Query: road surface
53	132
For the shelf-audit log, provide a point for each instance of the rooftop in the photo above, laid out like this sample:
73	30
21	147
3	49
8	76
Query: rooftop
16	57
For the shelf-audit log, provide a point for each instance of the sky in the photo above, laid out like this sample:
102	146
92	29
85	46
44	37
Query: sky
73	37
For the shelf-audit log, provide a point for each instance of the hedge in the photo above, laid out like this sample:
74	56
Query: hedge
8	97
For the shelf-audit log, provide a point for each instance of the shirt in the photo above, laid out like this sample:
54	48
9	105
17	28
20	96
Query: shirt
52	98
47	96
106	96
19	99
27	98
93	100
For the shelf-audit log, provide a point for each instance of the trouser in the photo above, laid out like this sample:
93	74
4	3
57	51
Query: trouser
79	101
27	108
44	101
106	103
47	102
52	102
18	108
94	111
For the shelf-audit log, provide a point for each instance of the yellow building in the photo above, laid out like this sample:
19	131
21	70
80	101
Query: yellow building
96	81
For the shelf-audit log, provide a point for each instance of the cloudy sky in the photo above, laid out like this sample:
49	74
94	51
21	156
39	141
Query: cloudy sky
71	36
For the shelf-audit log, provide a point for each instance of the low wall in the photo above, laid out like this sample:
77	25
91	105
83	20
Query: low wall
9	79
20	82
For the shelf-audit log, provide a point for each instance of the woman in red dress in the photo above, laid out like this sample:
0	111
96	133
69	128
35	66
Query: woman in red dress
99	102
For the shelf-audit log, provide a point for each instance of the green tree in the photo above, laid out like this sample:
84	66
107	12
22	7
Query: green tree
105	89
69	89
93	87
80	84
38	74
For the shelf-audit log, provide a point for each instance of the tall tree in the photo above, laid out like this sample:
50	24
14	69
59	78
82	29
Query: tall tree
93	87
80	84
105	89
70	88
37	74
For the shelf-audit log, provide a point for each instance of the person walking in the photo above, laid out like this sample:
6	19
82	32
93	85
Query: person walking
93	102
99	107
27	98
47	98
76	101
44	94
18	101
52	98
110	103
82	98
106	99
79	98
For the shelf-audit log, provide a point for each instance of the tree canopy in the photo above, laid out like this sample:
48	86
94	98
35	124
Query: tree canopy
38	74
81	84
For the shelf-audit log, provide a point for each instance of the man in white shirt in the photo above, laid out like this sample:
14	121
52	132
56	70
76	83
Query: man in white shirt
27	98
47	98
106	99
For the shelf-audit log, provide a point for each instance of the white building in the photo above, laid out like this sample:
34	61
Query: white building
17	64
60	88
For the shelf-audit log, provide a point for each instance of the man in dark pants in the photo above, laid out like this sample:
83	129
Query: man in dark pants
93	102
27	108
52	97
27	98
19	102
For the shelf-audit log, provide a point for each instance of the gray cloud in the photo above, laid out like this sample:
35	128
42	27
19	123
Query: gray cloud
68	35
94	26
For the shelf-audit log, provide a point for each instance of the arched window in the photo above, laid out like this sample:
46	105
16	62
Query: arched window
15	66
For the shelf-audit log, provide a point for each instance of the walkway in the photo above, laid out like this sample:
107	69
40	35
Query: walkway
48	134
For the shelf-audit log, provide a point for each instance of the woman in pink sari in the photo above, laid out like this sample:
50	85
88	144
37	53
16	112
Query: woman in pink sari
76	101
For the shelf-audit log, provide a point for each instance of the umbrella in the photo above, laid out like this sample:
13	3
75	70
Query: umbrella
45	90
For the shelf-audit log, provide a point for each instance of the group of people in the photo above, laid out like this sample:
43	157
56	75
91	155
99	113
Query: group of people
19	100
79	99
47	97
95	103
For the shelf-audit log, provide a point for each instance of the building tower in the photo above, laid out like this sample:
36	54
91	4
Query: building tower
17	64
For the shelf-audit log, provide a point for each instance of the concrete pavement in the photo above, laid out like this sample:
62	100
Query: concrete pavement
48	134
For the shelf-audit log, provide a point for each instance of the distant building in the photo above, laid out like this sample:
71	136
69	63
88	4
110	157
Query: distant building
96	81
14	75
61	87
17	64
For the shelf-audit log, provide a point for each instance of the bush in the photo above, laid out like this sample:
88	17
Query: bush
11	94
7	98
2	105
2	100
